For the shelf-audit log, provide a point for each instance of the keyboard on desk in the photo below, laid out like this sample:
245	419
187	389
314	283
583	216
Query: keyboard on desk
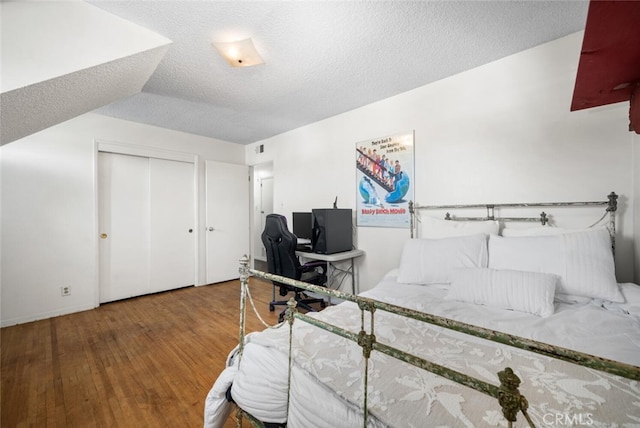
304	248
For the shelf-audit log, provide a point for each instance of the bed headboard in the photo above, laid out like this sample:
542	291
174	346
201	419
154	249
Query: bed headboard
611	205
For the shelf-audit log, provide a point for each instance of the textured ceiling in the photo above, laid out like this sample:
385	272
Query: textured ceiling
322	58
63	59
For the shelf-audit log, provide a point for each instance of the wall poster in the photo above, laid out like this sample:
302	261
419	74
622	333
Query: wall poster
384	177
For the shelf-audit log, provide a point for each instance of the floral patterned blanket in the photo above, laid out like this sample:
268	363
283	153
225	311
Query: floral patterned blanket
327	375
329	370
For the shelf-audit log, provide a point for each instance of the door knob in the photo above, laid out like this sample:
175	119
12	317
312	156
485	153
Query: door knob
210	229
190	230
103	235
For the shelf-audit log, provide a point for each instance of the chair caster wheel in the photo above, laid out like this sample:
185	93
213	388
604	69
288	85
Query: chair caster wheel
281	318
272	308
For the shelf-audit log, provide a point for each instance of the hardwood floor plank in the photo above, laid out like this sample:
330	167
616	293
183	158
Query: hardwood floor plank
146	361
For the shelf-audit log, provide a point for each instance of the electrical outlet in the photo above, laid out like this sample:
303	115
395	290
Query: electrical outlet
65	291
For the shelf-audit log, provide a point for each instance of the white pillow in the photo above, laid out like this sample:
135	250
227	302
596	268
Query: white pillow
429	261
435	228
530	292
536	231
583	260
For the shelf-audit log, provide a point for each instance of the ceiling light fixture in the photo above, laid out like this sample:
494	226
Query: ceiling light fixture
241	53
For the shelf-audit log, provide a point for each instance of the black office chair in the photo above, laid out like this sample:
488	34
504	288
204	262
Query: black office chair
282	260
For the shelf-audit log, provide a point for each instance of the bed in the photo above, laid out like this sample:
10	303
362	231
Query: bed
479	325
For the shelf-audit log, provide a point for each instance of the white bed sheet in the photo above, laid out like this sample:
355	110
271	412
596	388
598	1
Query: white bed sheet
260	386
604	329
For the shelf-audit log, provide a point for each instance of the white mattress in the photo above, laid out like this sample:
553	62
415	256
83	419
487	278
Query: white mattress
326	385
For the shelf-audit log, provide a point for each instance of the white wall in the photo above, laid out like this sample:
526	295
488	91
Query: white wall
499	133
48	218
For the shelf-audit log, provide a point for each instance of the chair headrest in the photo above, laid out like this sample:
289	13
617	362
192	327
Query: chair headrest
276	226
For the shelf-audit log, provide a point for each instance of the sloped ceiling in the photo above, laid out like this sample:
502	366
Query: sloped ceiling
63	59
322	58
609	67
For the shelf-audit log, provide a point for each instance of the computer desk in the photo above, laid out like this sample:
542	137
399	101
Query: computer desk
335	258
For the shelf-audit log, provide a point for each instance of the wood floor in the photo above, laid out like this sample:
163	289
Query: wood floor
142	362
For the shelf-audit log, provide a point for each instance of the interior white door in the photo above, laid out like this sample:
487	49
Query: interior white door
227	215
172	219
266	208
123	203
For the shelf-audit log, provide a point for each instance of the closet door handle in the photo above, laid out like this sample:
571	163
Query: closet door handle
210	229
190	230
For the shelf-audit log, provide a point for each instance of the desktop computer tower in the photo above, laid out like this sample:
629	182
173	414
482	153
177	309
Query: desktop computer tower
332	230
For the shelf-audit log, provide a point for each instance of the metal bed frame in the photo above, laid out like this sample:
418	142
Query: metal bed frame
507	393
611	205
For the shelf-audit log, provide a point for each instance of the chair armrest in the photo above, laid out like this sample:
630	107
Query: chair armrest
308	267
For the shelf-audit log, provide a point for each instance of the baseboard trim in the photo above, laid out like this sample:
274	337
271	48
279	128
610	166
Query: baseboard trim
45	315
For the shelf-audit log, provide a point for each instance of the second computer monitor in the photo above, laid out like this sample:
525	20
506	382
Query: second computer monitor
302	225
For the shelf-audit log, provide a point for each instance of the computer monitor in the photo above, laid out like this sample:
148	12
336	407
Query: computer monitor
302	225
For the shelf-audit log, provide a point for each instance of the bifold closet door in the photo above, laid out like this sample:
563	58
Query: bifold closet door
146	220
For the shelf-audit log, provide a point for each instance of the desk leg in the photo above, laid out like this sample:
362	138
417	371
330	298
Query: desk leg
329	277
353	278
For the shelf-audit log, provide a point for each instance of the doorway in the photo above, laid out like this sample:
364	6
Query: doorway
262	206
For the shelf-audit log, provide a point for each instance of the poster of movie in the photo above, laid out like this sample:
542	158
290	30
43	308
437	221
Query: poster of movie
384	177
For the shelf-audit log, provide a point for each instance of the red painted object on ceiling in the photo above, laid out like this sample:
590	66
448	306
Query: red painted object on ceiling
609	67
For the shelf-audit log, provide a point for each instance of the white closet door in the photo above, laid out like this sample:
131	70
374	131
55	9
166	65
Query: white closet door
227	212
124	225
172	258
146	221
